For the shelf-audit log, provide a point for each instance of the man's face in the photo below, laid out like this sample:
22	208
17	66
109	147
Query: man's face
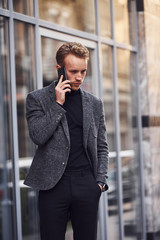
76	70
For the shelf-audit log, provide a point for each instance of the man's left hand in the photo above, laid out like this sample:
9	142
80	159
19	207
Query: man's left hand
100	186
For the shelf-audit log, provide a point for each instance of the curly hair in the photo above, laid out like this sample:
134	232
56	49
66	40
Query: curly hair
74	48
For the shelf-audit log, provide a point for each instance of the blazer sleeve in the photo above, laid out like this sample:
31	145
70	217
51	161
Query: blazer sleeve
102	150
42	121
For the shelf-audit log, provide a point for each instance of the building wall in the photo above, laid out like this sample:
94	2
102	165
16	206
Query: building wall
149	62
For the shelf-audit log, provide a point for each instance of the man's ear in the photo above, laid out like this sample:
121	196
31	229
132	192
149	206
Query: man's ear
58	66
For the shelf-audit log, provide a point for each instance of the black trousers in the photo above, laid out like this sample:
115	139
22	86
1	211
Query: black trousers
76	196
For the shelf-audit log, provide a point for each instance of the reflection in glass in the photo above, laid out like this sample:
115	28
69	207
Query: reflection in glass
129	143
7	227
25	82
125	101
105	18
4	4
49	48
124	21
77	14
23	6
108	99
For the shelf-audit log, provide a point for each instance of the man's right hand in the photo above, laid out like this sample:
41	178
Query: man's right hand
61	89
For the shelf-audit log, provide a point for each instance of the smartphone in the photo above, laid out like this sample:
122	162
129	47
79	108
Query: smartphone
62	71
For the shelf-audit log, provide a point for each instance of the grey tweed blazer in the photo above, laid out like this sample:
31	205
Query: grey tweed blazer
48	129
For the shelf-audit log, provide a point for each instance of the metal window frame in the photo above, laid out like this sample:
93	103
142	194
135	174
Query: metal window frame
15	122
102	206
117	126
6	203
34	20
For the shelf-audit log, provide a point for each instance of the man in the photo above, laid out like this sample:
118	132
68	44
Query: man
70	165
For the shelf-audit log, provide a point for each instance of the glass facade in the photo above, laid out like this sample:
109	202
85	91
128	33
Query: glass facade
37	29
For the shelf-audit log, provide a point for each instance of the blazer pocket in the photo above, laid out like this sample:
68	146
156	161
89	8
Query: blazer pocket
93	129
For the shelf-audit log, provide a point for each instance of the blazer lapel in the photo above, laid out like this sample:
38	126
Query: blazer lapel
87	115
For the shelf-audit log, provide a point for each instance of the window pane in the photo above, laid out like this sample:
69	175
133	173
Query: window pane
124	21
23	6
78	14
25	82
129	143
4	4
7	220
108	99
105	18
49	48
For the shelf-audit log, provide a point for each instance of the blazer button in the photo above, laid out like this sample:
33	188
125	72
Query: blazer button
63	163
66	147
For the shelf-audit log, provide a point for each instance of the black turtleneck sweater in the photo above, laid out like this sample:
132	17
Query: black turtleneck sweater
74	113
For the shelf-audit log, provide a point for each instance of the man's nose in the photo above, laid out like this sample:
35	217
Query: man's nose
79	76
